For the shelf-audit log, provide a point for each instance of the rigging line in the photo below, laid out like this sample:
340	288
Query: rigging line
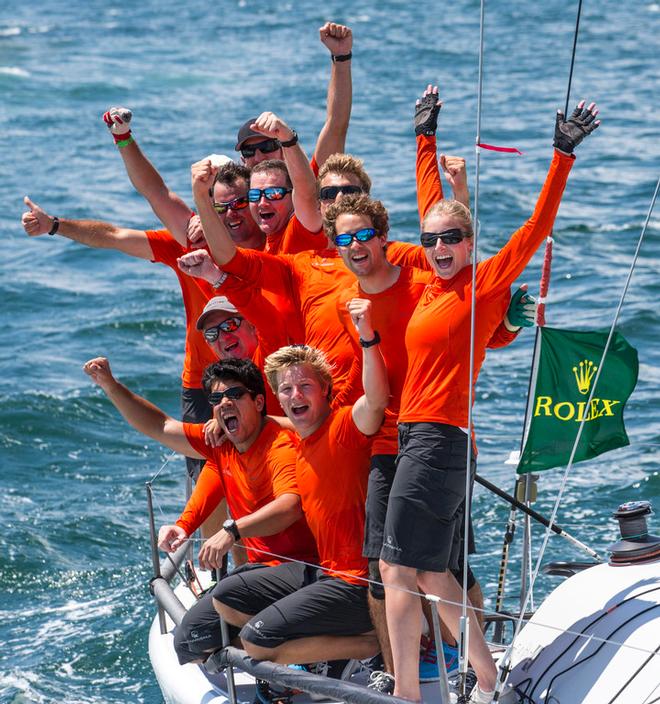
162	467
570	73
564	480
485	612
462	641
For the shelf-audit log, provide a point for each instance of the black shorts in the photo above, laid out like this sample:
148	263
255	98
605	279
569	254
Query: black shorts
381	476
425	513
195	408
302	602
199	632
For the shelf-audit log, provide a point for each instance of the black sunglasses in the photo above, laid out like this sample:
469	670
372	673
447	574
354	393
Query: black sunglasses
452	236
236	204
331	192
270	193
268	146
233	393
346	238
229	325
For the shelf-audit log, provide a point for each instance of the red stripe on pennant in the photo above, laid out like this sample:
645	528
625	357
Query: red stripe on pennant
493	148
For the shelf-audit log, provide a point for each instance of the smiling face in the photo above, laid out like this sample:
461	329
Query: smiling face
303	397
447	259
238	221
239	344
271	216
362	258
241	418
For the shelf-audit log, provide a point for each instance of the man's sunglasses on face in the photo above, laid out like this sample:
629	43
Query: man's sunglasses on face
331	192
233	393
229	325
270	193
346	238
268	146
236	204
452	236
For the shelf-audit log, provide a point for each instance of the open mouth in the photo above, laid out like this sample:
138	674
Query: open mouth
231	423
230	348
359	258
266	215
444	262
234	225
297	411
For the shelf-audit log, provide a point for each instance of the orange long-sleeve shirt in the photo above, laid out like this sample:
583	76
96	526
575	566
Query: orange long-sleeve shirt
436	388
249	480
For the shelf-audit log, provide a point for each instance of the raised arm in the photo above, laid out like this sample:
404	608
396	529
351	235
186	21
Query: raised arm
332	139
221	245
92	233
369	409
138	412
305	198
168	207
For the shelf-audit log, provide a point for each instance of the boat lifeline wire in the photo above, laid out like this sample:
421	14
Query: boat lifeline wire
434	598
504	662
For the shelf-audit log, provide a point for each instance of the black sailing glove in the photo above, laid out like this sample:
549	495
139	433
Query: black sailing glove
426	115
569	133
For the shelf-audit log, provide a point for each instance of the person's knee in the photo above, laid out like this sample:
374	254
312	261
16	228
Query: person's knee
193	642
376	588
258	652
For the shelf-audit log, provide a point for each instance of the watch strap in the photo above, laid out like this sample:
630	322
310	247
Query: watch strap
341	57
290	142
370	343
55	227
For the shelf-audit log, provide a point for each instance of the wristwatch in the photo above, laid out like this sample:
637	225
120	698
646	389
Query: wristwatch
341	57
290	142
370	343
230	526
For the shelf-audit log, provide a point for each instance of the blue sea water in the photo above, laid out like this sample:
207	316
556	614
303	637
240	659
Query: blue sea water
74	553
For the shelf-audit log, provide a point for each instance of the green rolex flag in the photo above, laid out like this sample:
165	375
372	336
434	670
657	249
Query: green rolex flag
567	367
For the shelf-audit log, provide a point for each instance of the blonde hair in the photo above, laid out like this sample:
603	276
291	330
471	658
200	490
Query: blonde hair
359	204
294	355
344	164
453	209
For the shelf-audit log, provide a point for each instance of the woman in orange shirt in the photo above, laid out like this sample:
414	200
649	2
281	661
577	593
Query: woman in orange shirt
427	502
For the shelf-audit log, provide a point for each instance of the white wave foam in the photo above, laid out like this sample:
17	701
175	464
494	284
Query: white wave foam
10	31
14	71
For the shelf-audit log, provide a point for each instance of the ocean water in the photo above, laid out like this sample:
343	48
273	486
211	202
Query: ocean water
74	553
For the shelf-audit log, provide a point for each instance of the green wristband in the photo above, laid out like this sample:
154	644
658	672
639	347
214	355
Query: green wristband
125	142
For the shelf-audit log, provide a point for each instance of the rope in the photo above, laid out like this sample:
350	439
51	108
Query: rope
505	660
432	598
162	467
464	625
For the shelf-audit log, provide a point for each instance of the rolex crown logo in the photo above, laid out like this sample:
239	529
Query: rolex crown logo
584	374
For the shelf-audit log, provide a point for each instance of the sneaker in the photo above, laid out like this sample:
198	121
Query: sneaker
382	682
428	660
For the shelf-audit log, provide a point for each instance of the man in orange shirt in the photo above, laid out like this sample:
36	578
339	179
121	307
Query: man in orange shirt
326	617
255	471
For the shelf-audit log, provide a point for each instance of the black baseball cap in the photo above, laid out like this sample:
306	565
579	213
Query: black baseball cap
245	133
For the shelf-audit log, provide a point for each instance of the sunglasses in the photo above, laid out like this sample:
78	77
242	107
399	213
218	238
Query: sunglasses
331	192
453	236
236	204
346	238
233	393
229	325
268	146
270	193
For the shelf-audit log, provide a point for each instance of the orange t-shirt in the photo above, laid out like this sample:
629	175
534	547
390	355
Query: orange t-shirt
332	470
294	238
438	335
195	293
250	480
390	312
312	280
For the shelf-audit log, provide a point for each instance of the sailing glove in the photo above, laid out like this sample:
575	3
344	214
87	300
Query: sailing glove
569	133
118	121
426	115
522	310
